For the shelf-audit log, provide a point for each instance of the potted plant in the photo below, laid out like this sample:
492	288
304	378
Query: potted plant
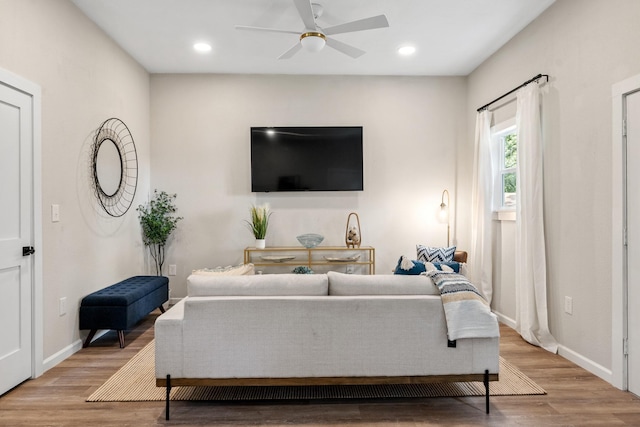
158	222
259	223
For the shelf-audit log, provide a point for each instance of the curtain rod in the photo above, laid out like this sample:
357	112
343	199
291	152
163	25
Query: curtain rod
533	79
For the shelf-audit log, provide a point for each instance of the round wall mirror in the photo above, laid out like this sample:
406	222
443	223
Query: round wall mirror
109	168
114	164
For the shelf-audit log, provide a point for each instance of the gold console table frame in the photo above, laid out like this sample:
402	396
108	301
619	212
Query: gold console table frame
312	257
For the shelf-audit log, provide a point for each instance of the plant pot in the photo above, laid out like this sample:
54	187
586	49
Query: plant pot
260	243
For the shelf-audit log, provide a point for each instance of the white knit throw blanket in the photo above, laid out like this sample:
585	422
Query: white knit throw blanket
467	313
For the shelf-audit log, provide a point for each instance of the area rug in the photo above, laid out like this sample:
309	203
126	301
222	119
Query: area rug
135	382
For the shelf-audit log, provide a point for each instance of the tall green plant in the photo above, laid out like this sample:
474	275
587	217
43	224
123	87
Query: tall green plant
259	220
158	222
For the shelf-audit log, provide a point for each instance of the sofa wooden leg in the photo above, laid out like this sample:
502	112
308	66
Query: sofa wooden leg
486	388
162	310
89	338
121	337
168	395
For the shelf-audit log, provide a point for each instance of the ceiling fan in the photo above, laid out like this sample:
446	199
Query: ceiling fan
314	38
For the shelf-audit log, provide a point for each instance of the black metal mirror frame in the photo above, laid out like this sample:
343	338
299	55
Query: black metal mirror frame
115	131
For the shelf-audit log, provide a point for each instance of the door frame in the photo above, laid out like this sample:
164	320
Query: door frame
21	84
619	294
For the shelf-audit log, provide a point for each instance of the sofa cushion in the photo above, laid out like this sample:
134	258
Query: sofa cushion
381	284
258	285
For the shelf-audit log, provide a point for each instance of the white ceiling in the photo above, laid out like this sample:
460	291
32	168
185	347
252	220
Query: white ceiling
452	37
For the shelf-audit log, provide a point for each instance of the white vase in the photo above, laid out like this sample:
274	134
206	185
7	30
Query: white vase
260	244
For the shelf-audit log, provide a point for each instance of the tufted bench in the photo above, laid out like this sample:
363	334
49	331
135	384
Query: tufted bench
122	305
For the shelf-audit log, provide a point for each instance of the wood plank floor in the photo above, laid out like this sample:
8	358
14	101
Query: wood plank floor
575	398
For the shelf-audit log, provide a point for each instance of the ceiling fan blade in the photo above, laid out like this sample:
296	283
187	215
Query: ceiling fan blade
306	13
272	30
379	21
288	54
348	50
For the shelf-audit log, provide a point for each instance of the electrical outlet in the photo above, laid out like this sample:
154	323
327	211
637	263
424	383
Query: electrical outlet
568	305
62	306
172	269
349	269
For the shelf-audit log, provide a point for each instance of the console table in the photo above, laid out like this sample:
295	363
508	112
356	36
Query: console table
362	259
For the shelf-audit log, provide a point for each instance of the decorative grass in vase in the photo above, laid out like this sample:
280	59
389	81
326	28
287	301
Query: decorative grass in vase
259	222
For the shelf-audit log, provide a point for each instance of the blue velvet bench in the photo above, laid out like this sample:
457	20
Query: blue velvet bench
122	305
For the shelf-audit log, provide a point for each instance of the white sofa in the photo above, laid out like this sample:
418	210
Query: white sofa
287	329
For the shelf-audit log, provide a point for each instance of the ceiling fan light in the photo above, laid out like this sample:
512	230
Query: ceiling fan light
312	41
407	50
202	47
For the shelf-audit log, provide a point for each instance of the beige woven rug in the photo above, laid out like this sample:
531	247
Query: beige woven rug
135	382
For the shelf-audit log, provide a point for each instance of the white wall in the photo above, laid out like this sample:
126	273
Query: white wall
85	79
585	46
504	293
200	132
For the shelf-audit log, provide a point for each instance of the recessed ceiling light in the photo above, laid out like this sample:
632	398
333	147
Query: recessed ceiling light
202	47
406	50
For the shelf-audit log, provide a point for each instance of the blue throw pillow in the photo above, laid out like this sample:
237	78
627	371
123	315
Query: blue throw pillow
418	268
455	266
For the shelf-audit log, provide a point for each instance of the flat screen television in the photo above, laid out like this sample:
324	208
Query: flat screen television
306	159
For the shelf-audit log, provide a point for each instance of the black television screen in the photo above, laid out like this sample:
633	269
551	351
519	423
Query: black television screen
306	159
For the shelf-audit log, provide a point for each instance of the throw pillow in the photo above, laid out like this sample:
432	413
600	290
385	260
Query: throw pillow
448	266
409	267
415	267
430	254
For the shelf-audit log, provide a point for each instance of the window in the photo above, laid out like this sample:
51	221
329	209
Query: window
505	149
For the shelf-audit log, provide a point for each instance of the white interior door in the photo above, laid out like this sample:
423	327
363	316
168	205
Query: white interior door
16	232
632	110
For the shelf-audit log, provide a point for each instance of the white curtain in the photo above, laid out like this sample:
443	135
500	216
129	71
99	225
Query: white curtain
531	269
480	263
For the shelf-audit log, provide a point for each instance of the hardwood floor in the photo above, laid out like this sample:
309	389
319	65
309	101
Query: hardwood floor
575	398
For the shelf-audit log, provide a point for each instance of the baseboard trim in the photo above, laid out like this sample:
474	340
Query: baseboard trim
572	356
58	357
506	320
174	301
585	363
69	350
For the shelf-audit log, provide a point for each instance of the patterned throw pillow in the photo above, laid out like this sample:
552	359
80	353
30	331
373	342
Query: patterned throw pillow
429	254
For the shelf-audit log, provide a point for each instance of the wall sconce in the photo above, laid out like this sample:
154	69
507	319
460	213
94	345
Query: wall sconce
444	213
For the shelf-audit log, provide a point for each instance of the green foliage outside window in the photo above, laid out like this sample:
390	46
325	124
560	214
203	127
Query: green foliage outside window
510	160
510	150
509	183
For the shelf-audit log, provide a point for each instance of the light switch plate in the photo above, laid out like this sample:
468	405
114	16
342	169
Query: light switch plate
55	213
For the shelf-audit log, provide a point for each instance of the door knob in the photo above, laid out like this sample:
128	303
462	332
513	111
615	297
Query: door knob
28	250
